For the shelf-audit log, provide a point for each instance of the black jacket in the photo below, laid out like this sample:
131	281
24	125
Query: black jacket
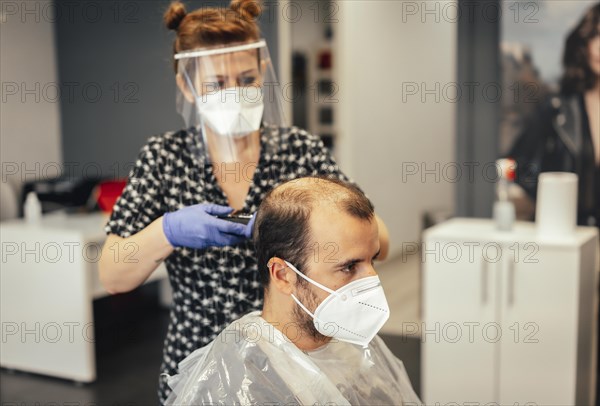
558	138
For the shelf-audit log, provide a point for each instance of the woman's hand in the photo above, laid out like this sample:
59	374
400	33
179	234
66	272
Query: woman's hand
197	227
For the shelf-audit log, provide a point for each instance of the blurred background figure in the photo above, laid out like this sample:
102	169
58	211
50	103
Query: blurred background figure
563	132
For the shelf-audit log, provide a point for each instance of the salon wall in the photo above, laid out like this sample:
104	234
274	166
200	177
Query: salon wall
394	143
114	57
29	114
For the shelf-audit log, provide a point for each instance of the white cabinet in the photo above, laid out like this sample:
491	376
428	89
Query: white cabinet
507	317
453	312
48	281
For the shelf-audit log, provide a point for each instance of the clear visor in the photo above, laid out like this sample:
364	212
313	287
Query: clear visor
228	94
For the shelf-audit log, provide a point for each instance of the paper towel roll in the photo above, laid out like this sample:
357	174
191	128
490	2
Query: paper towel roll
556	205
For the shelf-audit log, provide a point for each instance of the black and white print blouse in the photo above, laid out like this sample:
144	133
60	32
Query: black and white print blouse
211	287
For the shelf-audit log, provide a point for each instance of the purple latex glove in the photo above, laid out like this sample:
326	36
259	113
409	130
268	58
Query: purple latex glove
197	227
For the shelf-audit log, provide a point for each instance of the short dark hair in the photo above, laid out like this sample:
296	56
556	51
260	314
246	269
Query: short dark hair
578	77
282	222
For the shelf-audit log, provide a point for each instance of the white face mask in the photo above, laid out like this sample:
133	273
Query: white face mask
353	313
233	112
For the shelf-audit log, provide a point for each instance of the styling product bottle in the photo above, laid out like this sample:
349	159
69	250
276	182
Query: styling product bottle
32	209
504	209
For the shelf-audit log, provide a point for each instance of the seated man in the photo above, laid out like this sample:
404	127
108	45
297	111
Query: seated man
315	340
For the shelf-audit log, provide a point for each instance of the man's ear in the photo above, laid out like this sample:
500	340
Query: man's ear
182	85
282	278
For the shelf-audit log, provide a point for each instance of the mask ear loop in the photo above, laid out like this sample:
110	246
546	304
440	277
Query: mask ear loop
193	90
189	83
302	306
325	288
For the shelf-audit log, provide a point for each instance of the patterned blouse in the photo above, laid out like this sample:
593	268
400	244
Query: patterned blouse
211	287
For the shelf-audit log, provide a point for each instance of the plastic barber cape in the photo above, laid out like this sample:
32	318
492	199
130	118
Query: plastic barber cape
253	363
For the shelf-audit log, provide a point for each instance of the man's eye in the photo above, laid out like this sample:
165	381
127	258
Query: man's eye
350	268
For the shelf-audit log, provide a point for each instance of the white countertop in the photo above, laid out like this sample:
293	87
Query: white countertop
90	225
523	231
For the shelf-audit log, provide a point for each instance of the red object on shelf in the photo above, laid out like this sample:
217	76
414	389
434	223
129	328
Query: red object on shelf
108	192
325	61
511	170
510	175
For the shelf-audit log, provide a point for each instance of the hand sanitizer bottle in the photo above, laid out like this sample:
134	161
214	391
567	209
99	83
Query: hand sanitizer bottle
32	209
504	209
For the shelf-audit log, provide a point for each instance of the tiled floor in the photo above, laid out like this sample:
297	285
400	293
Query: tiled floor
128	358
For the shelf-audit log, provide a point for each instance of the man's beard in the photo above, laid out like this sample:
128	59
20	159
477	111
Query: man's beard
303	319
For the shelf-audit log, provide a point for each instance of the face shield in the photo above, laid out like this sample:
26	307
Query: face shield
228	95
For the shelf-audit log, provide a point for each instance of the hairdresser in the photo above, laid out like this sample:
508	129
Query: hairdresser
235	148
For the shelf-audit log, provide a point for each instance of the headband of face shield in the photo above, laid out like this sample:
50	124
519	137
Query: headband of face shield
227	94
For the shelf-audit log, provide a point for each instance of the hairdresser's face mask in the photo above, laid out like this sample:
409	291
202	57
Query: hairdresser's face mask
233	112
353	313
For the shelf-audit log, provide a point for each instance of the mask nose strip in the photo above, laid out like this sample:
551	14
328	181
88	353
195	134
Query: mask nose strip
367	288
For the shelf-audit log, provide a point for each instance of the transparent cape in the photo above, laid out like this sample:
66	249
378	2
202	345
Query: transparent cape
228	95
253	363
